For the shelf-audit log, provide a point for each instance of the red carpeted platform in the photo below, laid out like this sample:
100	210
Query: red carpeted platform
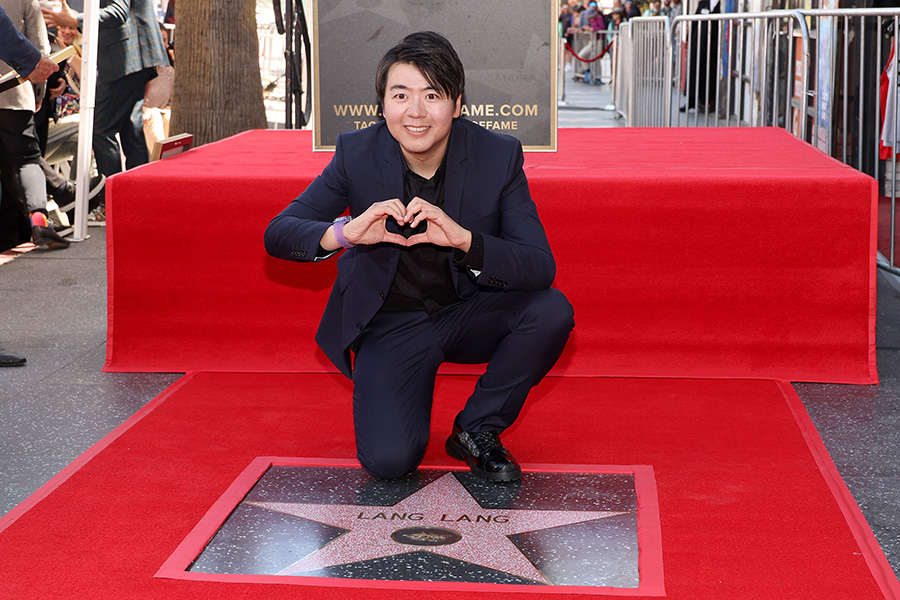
749	503
686	253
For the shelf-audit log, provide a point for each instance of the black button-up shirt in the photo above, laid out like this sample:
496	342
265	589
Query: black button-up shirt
423	280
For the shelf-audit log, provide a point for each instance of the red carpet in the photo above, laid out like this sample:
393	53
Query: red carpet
686	253
746	509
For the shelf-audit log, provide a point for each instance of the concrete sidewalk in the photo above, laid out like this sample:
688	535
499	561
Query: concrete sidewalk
587	105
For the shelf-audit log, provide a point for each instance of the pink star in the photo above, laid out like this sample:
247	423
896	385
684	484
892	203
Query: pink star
442	512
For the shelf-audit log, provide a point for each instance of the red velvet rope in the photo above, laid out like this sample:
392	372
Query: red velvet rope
590	60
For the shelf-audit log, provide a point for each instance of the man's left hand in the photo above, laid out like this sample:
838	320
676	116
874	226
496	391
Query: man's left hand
442	230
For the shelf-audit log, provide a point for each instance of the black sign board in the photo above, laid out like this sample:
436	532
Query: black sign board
508	49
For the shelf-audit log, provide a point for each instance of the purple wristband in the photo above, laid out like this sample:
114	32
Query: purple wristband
339	231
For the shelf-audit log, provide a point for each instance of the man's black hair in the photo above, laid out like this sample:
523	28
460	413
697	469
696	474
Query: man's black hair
433	55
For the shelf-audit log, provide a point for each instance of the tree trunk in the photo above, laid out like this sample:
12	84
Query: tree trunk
218	91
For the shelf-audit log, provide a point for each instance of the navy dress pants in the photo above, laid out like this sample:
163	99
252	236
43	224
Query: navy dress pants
520	334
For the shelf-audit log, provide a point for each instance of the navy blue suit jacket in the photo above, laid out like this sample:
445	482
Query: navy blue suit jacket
485	190
15	49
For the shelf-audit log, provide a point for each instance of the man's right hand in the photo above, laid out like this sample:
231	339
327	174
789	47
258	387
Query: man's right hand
59	89
43	70
369	227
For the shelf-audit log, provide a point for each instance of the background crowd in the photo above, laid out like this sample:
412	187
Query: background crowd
577	18
39	116
585	16
39	122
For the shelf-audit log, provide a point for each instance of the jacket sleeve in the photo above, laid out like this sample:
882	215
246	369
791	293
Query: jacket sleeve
518	256
113	12
15	49
294	234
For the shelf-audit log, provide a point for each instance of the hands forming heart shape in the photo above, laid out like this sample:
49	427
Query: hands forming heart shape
418	223
407	230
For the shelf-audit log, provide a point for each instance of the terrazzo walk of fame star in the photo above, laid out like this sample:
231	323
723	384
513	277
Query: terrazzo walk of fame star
313	523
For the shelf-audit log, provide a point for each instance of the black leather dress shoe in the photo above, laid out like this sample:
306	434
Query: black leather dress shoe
484	453
8	359
44	236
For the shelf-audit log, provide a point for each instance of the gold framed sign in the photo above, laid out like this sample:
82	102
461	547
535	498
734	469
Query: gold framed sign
508	50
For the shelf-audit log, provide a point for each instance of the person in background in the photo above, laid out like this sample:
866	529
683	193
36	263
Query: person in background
654	9
22	55
132	50
27	59
596	19
632	9
61	102
617	17
677	9
567	30
20	151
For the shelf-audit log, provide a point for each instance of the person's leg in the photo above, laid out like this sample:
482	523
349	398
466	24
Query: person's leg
519	334
56	183
115	109
21	148
394	368
132	134
104	143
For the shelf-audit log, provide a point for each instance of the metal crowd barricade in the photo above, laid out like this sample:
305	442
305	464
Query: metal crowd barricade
811	72
891	131
642	70
851	30
650	72
814	73
622	71
730	68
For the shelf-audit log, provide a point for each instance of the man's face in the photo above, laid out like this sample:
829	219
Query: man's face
417	115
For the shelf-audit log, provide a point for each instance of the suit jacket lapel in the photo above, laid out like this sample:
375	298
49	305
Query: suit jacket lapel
453	180
392	167
455	177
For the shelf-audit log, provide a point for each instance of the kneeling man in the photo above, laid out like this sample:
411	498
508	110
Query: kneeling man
446	261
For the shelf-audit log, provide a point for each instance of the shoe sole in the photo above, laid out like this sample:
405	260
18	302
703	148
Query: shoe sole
51	244
455	450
